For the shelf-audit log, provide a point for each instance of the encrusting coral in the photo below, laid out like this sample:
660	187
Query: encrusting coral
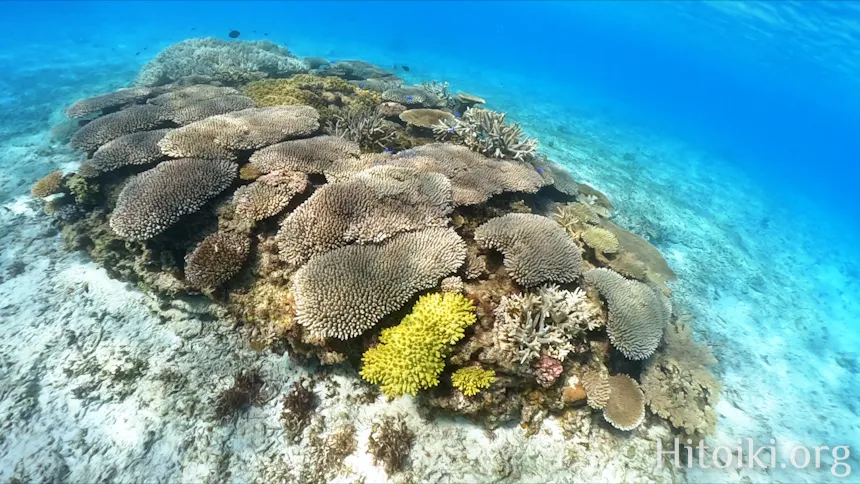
637	315
472	380
536	249
411	355
343	293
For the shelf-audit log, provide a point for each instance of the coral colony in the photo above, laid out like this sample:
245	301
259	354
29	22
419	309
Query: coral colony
401	230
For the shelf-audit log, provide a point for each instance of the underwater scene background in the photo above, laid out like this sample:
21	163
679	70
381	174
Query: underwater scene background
721	134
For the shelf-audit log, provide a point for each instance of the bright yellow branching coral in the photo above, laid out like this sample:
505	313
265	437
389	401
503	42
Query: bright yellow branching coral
472	380
411	355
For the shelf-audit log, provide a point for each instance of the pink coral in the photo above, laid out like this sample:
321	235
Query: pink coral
547	370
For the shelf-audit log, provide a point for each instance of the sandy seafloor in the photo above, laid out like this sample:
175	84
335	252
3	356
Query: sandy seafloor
100	381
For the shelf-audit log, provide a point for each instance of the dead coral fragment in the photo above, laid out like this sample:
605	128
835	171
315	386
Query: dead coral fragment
600	240
626	407
47	185
369	207
390	442
345	292
244	392
219	137
268	195
310	155
216	259
637	315
156	199
536	249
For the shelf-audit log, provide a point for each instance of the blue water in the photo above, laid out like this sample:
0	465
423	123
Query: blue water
761	102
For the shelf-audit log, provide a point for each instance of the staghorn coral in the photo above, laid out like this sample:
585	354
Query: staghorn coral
369	207
268	195
309	155
411	355
543	323
156	199
600	240
597	388
139	117
637	315
486	132
536	249
218	137
364	126
216	259
625	409
230	62
411	97
475	178
425	118
345	292
679	387
111	100
47	185
390	442
132	149
471	380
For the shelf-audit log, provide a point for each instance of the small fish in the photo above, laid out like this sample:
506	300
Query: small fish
233	34
193	28
457	115
409	99
137	53
540	170
145	48
254	31
405	68
451	130
265	34
361	86
386	150
394	67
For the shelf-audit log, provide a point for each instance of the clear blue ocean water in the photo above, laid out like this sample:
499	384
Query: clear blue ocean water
743	118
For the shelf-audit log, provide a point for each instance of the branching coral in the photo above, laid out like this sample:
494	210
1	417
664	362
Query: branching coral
116	99
268	195
230	62
471	380
47	185
487	133
309	155
219	137
411	355
132	149
625	409
679	387
575	217
216	259
369	207
637	315
536	249
158	198
364	126
245	391
347	291
390	442
296	409
543	323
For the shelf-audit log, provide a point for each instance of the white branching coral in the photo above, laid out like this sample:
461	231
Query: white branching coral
545	322
487	133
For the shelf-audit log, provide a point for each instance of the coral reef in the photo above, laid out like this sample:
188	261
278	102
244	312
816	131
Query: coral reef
425	118
245	391
625	409
309	155
233	63
216	259
487	133
109	127
112	100
411	97
139	148
390	442
345	292
470	381
364	126
48	185
328	95
411	355
297	407
268	195
536	249
600	239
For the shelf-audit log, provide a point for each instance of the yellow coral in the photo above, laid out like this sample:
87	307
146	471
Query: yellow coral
320	92
472	380
47	185
411	355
